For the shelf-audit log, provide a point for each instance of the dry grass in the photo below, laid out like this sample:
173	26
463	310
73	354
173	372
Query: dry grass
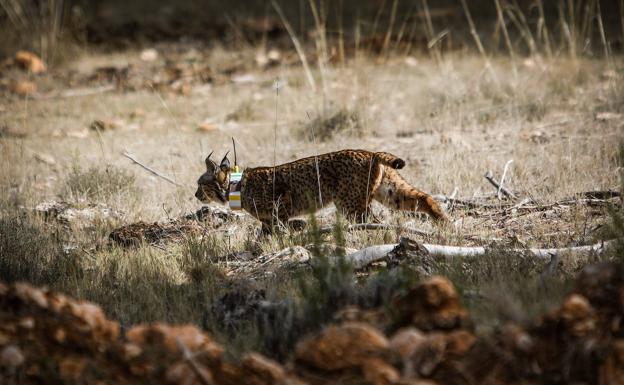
451	121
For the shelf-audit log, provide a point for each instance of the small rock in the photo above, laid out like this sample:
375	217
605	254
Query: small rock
24	88
528	63
244	79
607	116
5	131
11	356
46	159
406	341
137	113
379	372
149	54
411	61
432	305
268	59
30	62
297	254
539	137
577	315
612	371
183	373
274	55
261	370
104	125
71	367
80	134
68	214
207	127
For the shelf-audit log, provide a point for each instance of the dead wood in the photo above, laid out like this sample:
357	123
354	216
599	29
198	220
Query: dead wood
376	226
78	92
132	158
368	255
488	175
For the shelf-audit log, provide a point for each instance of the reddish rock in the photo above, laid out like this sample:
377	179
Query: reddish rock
340	347
432	305
259	370
577	315
407	341
24	88
603	286
378	372
30	62
612	371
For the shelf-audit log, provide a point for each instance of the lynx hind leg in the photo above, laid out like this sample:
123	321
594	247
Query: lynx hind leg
396	193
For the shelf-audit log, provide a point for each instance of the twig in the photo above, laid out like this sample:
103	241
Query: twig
188	357
501	20
488	175
386	42
132	158
475	36
502	181
298	48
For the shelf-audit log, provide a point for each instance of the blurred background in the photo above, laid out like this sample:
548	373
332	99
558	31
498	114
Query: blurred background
377	25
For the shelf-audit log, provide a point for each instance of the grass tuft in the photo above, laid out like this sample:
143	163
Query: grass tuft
324	127
99	184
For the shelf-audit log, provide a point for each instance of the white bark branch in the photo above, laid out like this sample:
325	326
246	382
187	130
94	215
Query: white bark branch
368	255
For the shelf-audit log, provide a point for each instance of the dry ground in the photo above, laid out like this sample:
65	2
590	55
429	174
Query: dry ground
451	122
560	120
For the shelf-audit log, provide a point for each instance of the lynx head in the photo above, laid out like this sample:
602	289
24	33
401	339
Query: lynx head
213	184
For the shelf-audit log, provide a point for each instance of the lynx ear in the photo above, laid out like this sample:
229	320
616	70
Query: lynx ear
210	165
225	163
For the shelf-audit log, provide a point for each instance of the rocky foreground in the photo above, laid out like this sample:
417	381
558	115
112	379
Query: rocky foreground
46	338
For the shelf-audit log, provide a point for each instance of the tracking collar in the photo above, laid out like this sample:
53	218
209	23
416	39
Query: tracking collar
234	189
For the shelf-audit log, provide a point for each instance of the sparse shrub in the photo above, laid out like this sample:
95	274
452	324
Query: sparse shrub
503	286
31	252
331	283
534	111
244	111
615	230
325	126
100	184
199	259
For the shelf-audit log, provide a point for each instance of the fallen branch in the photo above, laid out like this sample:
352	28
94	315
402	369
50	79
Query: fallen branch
488	175
132	158
78	92
368	255
375	226
502	181
592	198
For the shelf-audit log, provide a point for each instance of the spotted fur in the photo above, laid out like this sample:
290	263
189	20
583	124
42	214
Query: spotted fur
348	178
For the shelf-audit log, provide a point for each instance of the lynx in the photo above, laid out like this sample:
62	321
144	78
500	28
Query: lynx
348	178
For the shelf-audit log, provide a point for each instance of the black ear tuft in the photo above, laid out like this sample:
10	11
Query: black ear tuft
209	163
398	163
225	163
